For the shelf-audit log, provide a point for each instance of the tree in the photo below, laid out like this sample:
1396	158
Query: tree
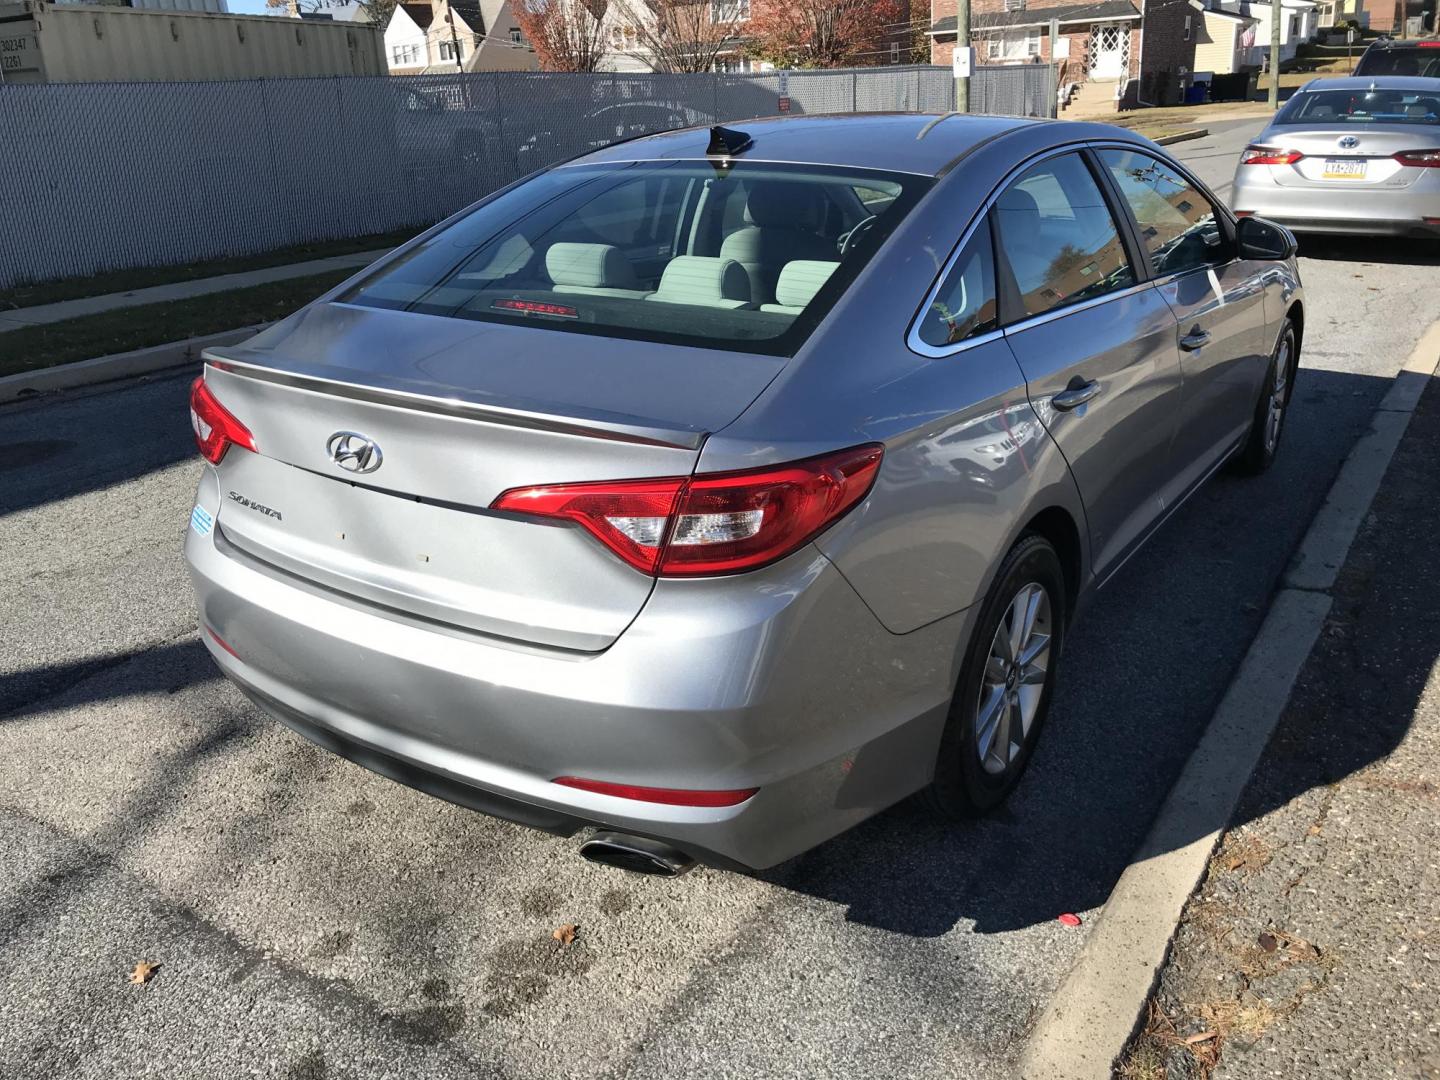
820	33
681	35
565	34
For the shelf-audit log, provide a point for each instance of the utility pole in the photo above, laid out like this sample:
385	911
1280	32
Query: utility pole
962	55
1277	12
454	37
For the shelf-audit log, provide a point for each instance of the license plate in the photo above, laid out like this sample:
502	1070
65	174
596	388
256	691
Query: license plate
1344	169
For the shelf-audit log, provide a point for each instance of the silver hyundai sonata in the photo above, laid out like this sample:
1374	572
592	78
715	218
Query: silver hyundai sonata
719	489
1355	156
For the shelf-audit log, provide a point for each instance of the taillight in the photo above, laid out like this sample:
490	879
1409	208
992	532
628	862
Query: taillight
215	428
1268	155
1420	159
721	523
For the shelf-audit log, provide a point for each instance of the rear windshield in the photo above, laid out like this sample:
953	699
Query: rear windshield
746	256
1421	60
1362	107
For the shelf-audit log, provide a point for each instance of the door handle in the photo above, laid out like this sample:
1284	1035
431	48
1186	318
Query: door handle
1074	396
1195	339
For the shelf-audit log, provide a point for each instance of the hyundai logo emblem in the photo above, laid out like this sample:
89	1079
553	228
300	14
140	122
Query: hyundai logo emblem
1348	142
353	452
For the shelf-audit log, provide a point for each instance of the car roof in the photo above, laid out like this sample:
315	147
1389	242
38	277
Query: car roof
921	143
1405	43
1378	82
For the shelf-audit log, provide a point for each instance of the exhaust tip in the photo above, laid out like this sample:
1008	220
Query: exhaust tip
636	854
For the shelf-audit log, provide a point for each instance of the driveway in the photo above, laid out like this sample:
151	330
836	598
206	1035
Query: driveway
312	920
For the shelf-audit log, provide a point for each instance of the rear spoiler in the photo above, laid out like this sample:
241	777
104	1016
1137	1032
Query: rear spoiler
400	393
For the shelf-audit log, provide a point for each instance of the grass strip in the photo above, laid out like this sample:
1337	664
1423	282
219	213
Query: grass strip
122	330
113	281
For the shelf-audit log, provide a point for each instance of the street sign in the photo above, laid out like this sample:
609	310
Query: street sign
784	104
961	62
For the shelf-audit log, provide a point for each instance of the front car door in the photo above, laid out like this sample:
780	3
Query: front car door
1219	305
1096	345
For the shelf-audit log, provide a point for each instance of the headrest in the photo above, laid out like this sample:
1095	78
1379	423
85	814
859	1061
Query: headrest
1018	201
801	280
593	266
774	202
700	279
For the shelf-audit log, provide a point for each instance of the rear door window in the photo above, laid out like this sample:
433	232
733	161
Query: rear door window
1058	237
1179	226
965	304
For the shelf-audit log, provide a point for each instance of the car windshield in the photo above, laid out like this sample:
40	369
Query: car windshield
731	255
1420	60
1362	107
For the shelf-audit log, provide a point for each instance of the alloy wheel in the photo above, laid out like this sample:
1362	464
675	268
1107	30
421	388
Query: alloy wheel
1279	389
1014	679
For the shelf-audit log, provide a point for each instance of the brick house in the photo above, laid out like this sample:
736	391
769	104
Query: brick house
1125	52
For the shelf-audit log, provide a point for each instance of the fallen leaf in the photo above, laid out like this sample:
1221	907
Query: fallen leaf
565	934
1069	920
1204	1036
144	972
1268	942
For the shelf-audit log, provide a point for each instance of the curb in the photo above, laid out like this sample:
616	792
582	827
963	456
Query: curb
1183	136
85	306
118	366
1100	1004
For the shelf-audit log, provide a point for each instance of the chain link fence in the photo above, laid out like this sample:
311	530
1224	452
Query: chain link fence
106	176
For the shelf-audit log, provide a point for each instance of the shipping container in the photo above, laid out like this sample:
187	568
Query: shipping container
42	42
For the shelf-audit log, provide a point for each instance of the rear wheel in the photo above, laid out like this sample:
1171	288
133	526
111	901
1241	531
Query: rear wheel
1005	685
1268	425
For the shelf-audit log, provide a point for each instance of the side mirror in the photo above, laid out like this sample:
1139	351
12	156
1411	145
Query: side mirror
1264	240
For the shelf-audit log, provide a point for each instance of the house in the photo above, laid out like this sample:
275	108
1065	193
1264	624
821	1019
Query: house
1224	42
1298	23
623	32
1109	52
429	37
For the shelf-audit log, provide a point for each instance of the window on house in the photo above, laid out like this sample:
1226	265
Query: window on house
402	55
1014	5
1013	45
1187	28
894	52
516	38
729	11
447	50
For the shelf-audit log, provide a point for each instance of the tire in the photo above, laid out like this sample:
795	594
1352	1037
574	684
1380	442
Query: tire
1268	424
970	776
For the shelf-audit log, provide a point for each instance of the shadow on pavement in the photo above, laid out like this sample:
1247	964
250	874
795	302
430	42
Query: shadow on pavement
170	667
1361	249
85	442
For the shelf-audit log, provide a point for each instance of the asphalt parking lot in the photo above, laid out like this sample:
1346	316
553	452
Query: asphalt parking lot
313	921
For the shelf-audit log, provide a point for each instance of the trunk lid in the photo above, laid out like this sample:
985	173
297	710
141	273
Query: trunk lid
1370	163
460	411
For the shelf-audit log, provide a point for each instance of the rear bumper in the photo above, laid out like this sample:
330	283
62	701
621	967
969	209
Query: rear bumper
1371	211
781	679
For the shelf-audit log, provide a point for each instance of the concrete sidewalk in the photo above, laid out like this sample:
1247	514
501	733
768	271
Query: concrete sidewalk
1312	949
178	290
